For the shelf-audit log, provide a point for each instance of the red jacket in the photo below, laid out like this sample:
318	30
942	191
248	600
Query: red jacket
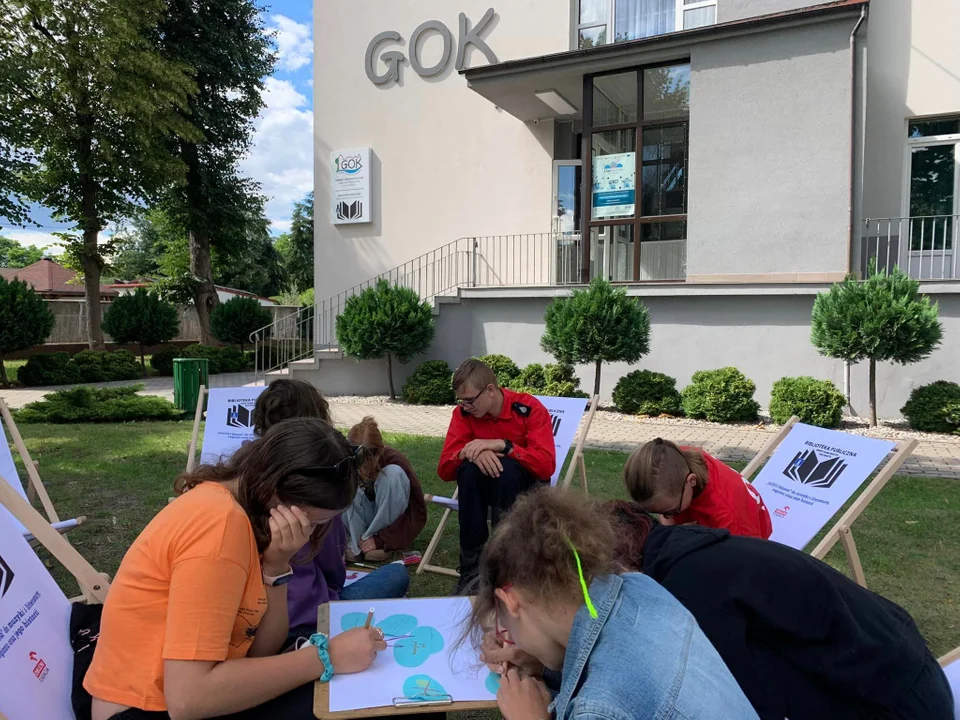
524	421
728	501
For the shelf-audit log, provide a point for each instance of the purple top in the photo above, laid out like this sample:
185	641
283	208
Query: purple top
318	581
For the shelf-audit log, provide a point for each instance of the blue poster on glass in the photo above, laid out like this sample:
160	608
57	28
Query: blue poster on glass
614	185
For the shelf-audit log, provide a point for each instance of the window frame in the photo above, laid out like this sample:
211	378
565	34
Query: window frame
638	219
610	23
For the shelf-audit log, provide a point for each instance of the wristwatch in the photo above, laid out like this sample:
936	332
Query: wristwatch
507	447
281	579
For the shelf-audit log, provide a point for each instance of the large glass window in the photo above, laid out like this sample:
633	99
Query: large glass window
637	126
933	192
605	21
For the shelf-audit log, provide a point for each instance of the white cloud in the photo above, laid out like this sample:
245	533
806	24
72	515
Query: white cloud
281	158
280	226
37	238
294	44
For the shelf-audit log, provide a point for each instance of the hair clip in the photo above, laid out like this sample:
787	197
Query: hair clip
658	441
583	583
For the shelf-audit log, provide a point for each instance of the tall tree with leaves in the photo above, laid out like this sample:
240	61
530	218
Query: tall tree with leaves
15	255
300	258
231	53
89	97
883	318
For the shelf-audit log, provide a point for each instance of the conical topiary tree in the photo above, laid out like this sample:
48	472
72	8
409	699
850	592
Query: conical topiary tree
597	325
25	320
143	318
385	321
234	321
884	318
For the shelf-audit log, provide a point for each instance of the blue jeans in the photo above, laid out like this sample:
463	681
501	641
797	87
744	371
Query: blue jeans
385	583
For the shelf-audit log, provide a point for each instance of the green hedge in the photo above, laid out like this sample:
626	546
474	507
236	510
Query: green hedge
554	380
643	392
503	367
87	404
430	384
49	369
815	402
99	366
723	396
933	408
162	360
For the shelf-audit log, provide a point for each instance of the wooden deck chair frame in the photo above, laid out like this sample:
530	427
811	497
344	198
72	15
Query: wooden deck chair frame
950	658
842	529
35	488
93	585
576	463
195	438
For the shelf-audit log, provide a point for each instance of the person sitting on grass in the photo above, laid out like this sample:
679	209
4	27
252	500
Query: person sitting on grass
389	510
197	613
320	576
687	486
804	641
581	641
499	444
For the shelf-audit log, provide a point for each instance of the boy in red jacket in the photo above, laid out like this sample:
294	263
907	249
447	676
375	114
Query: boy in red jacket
499	444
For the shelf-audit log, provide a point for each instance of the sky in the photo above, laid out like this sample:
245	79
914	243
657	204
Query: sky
281	158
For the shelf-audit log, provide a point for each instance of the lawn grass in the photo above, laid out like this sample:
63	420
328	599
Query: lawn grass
13	367
120	476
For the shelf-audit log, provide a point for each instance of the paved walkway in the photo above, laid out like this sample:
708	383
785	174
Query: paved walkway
609	432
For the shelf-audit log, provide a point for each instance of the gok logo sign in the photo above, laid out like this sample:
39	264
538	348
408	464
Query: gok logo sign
807	468
349	165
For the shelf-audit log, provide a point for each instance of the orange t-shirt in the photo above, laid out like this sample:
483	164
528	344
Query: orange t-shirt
189	588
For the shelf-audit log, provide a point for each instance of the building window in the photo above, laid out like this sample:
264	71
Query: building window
636	137
933	188
604	21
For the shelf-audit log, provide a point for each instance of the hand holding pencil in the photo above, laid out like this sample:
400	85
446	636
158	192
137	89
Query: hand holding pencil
355	650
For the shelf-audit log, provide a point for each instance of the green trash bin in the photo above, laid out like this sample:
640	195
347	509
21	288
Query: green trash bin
188	375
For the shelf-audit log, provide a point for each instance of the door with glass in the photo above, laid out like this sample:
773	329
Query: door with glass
567	238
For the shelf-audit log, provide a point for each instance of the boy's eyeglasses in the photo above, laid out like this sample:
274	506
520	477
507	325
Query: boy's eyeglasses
471	401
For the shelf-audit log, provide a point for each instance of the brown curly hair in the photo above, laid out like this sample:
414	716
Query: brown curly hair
530	550
303	461
633	526
284	399
660	467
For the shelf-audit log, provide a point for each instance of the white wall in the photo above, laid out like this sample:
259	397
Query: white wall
447	163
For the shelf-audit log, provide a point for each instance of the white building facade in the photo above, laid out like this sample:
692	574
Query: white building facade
724	159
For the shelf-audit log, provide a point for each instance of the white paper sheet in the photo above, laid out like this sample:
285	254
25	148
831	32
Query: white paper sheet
353	576
422	666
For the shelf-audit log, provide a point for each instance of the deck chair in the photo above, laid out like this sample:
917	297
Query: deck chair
229	414
810	473
566	415
34	487
951	668
36	658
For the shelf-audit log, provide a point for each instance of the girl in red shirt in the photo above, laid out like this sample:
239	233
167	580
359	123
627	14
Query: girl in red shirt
685	485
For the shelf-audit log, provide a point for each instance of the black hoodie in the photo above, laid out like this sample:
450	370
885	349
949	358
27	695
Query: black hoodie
803	640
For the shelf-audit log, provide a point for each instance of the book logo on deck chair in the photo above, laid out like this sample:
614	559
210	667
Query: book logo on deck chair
6	577
555	419
239	416
807	468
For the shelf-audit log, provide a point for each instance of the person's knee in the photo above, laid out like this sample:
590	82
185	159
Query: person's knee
469	474
396	575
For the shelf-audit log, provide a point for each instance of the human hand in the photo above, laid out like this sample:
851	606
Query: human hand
489	464
290	530
495	653
523	698
368	545
473	448
355	650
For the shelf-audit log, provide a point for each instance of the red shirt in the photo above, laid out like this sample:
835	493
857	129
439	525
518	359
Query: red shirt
728	501
524	421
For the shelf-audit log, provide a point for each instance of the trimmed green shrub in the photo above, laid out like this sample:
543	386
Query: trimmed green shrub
25	320
724	395
554	380
87	404
933	407
430	385
100	366
532	376
162	360
210	352
143	318
232	360
503	367
815	402
235	320
49	369
560	373
643	392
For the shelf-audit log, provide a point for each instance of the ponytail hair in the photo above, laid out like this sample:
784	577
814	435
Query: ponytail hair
660	468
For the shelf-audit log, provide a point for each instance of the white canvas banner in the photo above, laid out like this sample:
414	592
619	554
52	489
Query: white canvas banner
952	672
565	414
811	475
8	471
229	421
36	660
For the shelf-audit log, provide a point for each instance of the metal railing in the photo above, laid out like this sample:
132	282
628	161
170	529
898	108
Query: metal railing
925	248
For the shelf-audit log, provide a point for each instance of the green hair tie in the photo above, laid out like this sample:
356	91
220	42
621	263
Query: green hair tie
583	582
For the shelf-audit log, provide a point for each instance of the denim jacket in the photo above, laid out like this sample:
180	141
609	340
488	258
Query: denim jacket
643	657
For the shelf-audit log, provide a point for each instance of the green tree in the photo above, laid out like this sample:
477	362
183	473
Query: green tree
881	319
15	255
94	104
25	320
299	258
597	325
252	263
226	45
385	320
143	318
233	321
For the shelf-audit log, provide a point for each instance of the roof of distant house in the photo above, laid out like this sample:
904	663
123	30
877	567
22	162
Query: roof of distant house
49	277
147	282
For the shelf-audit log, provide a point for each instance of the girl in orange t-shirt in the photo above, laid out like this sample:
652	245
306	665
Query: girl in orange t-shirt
197	614
685	485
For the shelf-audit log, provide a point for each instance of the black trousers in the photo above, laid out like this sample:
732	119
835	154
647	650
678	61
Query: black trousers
478	494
